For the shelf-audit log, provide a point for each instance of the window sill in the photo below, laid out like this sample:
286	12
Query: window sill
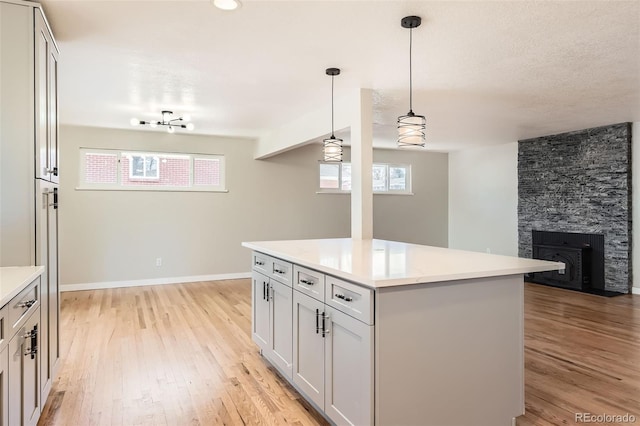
375	193
153	189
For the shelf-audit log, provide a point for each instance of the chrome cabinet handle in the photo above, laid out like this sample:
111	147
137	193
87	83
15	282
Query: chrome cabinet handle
278	271
27	304
259	263
33	335
317	321
343	297
325	330
307	282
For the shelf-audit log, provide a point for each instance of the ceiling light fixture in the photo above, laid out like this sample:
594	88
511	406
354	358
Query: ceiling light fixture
170	123
332	148
227	4
411	127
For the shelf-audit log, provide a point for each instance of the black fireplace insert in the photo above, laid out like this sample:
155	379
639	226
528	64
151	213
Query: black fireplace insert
583	255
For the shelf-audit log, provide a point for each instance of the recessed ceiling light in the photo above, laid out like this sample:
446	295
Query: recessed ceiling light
227	4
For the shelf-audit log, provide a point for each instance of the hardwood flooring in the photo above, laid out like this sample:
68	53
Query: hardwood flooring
182	355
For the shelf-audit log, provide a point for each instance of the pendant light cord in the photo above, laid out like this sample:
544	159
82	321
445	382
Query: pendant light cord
410	72
332	136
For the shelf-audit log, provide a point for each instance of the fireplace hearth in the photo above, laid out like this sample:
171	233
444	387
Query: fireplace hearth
583	255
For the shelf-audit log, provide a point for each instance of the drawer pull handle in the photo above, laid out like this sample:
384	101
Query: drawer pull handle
343	297
27	304
278	271
325	330
317	321
31	351
259	263
307	282
33	335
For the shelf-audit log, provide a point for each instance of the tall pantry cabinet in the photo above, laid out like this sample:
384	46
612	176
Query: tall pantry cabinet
29	163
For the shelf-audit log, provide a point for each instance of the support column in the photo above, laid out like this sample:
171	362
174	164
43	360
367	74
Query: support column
361	166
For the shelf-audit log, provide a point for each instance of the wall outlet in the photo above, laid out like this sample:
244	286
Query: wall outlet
488	250
159	261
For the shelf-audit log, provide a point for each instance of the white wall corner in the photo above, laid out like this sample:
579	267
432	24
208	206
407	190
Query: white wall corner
153	281
635	290
306	128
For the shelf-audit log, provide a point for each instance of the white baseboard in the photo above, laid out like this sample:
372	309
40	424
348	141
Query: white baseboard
153	281
635	290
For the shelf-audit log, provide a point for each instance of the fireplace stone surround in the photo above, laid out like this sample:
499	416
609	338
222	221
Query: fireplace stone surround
580	182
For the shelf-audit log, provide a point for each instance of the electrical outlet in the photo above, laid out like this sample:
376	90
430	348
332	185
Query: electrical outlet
488	250
159	261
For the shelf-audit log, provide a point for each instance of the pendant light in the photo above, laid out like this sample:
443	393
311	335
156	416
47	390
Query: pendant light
332	148
411	127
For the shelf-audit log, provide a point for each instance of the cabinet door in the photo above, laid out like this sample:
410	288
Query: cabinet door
349	369
42	47
24	380
281	323
308	347
260	310
47	255
4	387
52	86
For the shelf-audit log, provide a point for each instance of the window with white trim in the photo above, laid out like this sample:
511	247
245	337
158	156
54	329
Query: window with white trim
387	178
150	171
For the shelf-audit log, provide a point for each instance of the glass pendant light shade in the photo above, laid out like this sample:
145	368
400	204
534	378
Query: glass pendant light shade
411	130
332	147
411	127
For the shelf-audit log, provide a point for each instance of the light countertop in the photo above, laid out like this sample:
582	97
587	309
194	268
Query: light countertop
381	263
14	279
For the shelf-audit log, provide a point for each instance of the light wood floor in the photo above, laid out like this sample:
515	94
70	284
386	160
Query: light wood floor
183	355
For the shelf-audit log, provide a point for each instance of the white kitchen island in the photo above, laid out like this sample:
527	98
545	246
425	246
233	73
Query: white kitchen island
389	333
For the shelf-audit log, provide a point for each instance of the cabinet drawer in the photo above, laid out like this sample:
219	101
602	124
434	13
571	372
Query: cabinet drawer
261	263
21	306
3	327
350	298
309	282
281	271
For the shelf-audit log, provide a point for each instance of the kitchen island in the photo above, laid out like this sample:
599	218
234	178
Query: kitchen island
390	333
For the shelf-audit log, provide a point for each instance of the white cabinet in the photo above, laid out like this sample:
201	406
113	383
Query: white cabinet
29	164
4	387
308	341
329	359
24	377
260	310
46	103
348	358
333	360
47	254
272	320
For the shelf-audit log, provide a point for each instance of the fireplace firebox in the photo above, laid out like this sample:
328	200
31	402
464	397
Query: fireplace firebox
583	255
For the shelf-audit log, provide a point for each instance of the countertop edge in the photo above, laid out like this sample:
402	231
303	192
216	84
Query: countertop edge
392	282
23	280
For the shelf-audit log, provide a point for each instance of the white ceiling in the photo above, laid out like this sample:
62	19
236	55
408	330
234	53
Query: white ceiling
485	72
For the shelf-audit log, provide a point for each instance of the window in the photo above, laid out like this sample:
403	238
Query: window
387	178
159	171
142	166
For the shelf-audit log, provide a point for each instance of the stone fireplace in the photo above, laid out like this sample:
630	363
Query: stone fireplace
578	183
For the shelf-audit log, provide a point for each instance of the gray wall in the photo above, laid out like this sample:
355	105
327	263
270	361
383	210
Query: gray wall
423	217
483	199
580	182
117	235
